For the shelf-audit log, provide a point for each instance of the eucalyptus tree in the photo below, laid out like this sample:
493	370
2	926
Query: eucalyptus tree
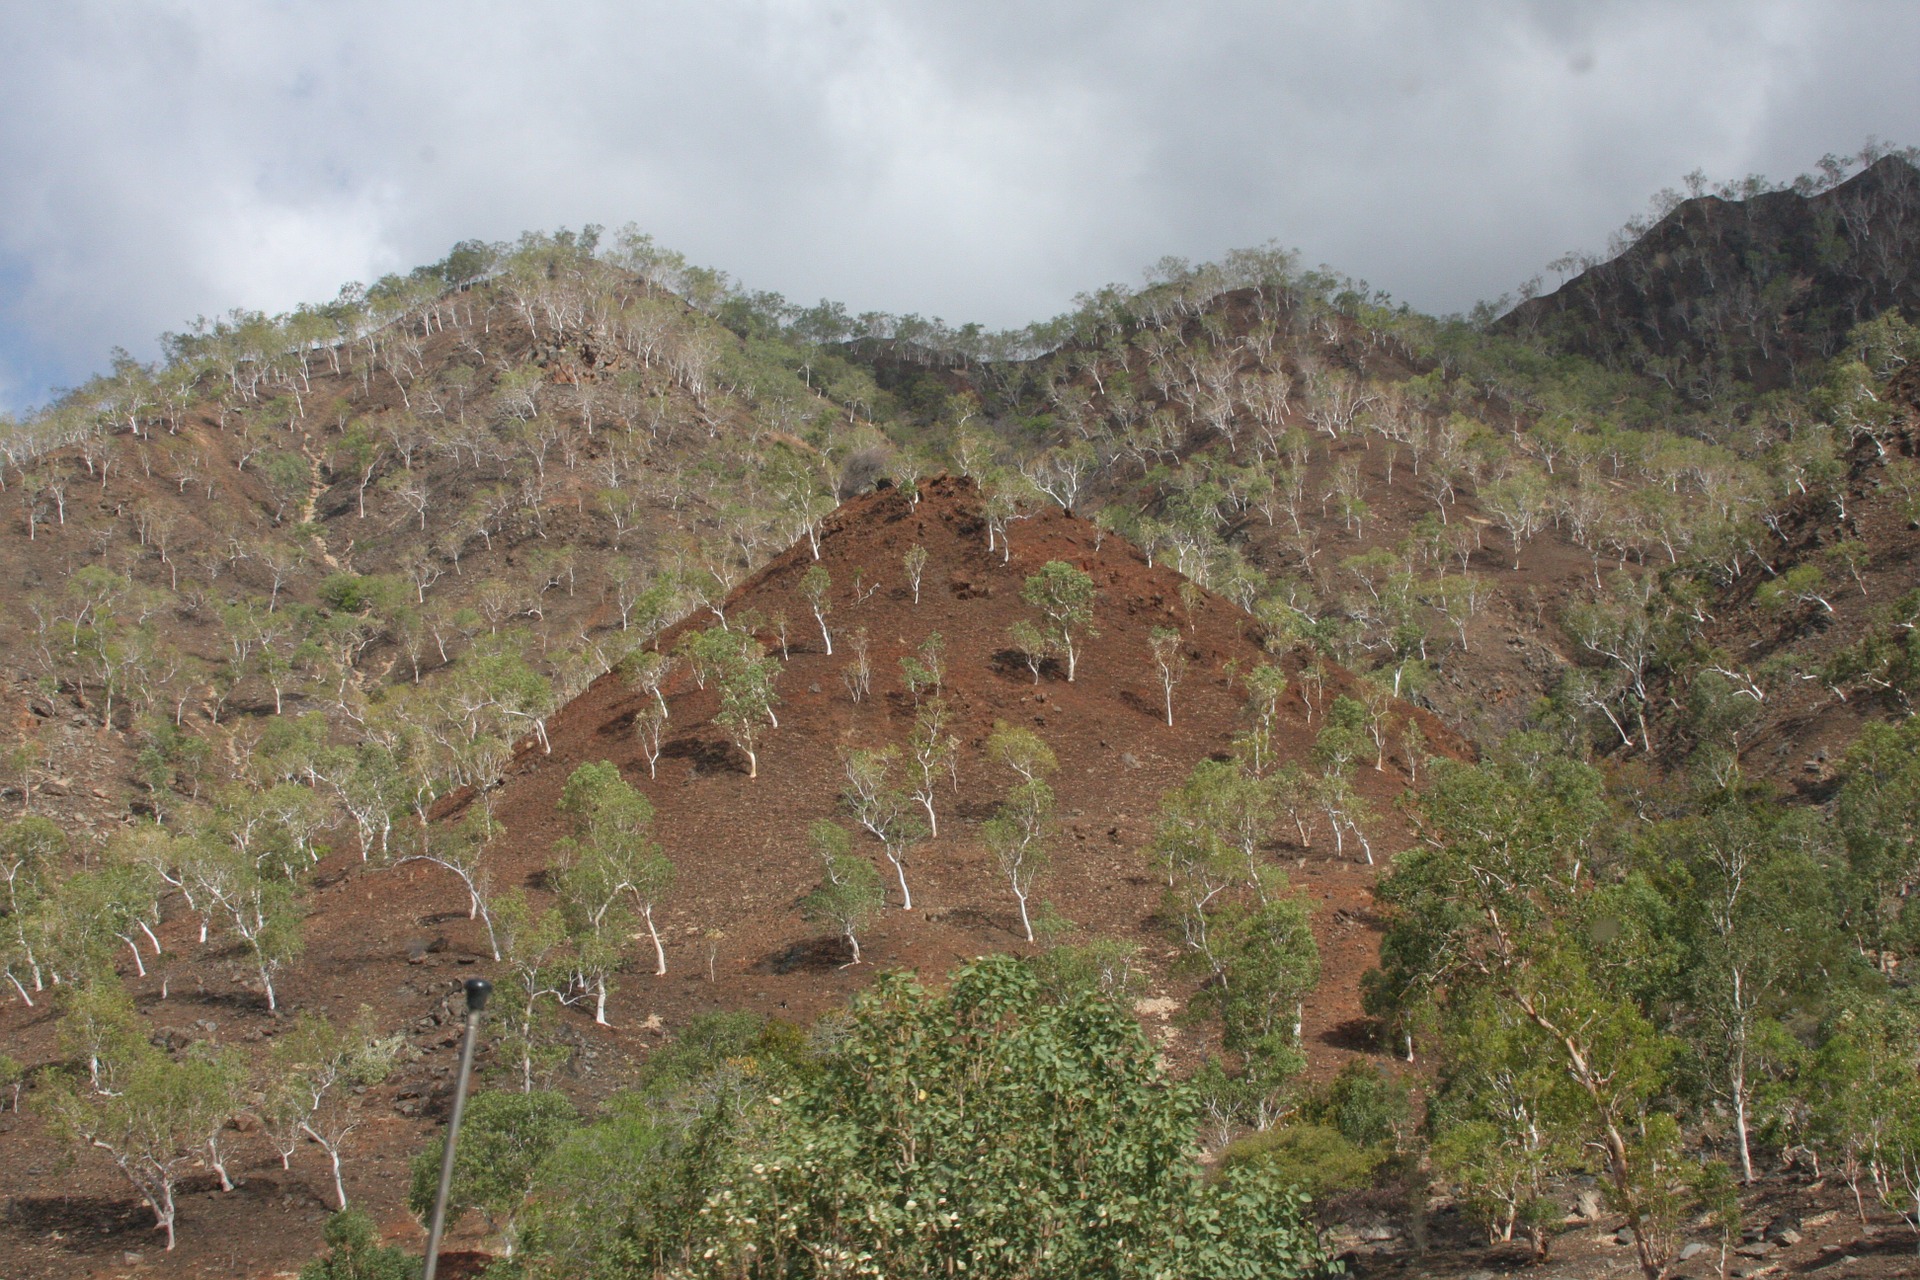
536	952
748	697
610	858
1518	500
933	754
1877	814
1755	917
319	1074
1496	912
1257	746
1623	625
849	893
155	1127
31	849
1064	596
915	562
883	809
1170	660
459	849
815	585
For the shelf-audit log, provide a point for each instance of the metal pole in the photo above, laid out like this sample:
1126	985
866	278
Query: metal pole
478	989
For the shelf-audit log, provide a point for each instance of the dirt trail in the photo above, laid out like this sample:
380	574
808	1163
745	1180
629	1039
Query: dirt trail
309	507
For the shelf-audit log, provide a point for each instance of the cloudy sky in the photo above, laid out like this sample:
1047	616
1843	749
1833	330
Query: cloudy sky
975	160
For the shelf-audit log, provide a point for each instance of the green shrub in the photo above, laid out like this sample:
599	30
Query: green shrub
12	1076
1104	966
354	1252
1315	1158
1368	1106
983	1130
503	1141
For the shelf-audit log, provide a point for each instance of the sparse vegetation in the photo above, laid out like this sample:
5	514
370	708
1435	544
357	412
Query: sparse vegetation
296	611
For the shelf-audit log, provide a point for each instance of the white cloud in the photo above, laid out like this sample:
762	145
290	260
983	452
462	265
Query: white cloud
984	161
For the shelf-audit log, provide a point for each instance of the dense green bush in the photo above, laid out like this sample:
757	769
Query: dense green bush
984	1130
1315	1159
1368	1106
503	1140
354	1252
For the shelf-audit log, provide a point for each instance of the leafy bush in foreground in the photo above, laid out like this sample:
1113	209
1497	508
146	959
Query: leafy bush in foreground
982	1130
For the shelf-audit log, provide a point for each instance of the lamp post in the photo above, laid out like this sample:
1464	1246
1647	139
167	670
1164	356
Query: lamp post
478	989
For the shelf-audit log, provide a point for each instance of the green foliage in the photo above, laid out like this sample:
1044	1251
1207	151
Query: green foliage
358	593
849	893
100	1028
609	865
884	810
1265	963
1016	835
535	947
1021	750
983	1129
155	1126
1064	596
319	1072
504	1137
1498	918
354	1252
1864	1085
606	1201
1802	585
748	697
709	1042
31	849
1103	967
1367	1105
925	668
1505	1120
1246	1223
1500	1182
1878	816
1316	1159
621	1196
1754	917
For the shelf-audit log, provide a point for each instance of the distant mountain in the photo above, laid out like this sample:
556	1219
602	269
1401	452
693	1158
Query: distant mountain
1757	290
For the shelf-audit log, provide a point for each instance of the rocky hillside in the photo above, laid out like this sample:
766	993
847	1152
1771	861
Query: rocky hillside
395	934
346	598
1725	291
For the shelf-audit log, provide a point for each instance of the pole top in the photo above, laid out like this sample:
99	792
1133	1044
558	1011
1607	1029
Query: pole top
478	989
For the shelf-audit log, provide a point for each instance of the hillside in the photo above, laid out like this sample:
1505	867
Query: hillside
294	608
396	937
1107	728
1724	292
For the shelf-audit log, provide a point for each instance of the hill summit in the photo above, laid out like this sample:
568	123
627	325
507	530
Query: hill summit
1761	290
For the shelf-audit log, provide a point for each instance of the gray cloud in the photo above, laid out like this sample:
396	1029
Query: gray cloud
982	161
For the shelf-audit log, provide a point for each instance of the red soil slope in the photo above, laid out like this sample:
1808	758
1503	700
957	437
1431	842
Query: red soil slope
398	938
739	843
